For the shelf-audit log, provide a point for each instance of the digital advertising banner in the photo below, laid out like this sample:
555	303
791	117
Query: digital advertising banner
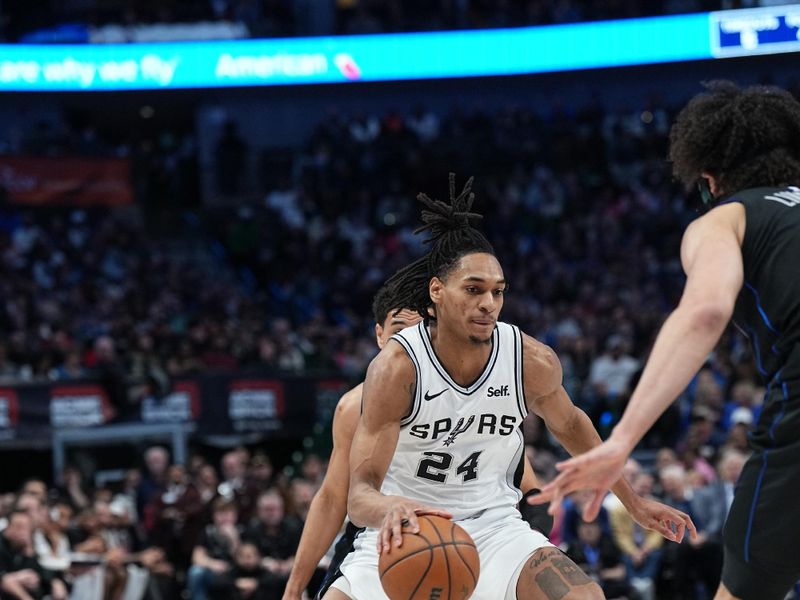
395	57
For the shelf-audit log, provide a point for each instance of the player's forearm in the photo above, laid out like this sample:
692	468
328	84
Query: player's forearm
529	480
325	518
682	347
581	436
366	505
577	435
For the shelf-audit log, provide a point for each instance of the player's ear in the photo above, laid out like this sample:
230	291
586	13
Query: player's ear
712	183
435	288
379	335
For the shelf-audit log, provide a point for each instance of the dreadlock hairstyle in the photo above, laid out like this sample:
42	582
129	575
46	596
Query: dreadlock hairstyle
451	236
745	138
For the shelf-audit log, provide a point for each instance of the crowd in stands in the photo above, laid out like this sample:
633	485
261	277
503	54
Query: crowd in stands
164	529
271	18
231	530
579	205
630	562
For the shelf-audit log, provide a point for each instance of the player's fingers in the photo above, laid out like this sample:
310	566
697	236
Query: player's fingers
575	463
593	508
540	498
665	528
384	538
680	531
555	503
387	536
549	490
671	526
411	520
392	529
562	485
397	528
427	510
690	526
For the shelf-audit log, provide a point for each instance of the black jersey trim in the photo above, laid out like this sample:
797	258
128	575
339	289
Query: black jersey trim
482	378
514	465
520	382
417	402
519	473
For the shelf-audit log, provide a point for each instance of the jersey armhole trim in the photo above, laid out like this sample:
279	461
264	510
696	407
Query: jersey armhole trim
417	402
517	465
522	405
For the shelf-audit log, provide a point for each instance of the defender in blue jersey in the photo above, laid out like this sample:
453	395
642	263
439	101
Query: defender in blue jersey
742	261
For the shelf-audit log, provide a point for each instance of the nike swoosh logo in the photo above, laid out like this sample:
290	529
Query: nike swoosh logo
429	396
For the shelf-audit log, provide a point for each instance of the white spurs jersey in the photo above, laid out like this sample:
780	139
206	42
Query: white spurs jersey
460	448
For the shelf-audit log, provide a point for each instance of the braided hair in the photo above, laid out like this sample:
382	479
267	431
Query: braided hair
745	138
451	236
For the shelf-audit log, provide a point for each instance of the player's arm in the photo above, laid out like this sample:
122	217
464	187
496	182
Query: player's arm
712	259
387	397
572	427
529	480
329	506
547	398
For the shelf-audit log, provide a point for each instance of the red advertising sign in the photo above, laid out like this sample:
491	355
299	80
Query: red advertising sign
9	408
66	180
255	405
181	405
79	406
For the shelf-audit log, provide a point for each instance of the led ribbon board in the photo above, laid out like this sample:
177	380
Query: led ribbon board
770	30
393	57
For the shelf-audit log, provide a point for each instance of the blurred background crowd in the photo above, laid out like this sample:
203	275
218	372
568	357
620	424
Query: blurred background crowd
579	205
584	218
265	258
269	18
230	530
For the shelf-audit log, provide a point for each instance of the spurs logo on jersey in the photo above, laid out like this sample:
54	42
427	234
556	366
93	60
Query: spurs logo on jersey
460	447
459	428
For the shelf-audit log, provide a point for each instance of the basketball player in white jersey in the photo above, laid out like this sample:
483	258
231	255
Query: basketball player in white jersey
329	506
439	431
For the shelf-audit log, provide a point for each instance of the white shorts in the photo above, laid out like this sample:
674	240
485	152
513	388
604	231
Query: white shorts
504	543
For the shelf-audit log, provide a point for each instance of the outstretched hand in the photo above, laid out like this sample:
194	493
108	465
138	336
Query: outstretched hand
596	470
666	520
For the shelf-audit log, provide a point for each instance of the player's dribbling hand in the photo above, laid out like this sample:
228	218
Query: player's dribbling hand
403	512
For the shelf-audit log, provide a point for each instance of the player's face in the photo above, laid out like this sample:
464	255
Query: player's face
471	297
394	323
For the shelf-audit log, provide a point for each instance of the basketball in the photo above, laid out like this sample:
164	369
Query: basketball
439	562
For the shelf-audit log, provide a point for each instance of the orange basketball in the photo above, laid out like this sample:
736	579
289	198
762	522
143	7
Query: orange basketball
438	563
